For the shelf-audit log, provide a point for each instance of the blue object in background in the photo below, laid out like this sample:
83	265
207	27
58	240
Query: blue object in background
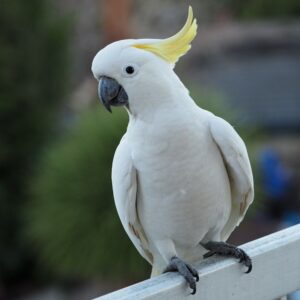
276	176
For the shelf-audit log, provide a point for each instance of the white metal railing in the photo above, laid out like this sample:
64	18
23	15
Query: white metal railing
276	273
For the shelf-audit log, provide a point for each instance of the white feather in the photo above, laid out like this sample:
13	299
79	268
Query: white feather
124	178
239	171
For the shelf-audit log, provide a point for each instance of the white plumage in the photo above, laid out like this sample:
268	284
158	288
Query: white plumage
180	180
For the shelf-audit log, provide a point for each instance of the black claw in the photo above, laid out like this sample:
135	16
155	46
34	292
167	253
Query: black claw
192	285
225	249
189	273
248	263
246	260
249	269
193	271
194	290
209	254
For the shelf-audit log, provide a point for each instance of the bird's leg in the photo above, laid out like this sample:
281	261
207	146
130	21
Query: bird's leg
225	249
187	271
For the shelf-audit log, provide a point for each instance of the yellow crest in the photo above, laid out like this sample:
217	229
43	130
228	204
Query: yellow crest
171	49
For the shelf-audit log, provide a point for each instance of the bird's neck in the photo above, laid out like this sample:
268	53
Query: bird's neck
163	98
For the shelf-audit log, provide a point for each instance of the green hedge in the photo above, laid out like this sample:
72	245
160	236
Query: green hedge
33	82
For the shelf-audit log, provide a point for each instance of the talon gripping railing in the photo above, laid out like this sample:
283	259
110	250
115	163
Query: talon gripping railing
276	273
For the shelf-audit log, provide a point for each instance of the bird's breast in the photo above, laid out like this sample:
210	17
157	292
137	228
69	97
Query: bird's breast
183	188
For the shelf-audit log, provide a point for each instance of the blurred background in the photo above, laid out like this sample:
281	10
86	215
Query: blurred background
60	236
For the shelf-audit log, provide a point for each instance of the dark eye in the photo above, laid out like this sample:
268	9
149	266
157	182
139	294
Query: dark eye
129	70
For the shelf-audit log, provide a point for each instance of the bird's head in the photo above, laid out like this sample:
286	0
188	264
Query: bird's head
139	73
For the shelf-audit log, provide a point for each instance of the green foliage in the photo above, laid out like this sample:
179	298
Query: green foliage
72	218
255	9
33	59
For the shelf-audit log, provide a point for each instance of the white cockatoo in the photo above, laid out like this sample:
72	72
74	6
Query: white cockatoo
181	176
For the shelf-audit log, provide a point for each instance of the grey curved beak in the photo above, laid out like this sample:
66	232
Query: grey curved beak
111	93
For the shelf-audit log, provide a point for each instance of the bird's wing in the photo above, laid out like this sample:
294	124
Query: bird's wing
124	181
236	160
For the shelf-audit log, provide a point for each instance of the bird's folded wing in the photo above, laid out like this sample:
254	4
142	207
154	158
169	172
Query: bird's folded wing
124	180
236	160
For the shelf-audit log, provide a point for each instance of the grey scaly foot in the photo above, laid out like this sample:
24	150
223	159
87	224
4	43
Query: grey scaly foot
225	249
187	271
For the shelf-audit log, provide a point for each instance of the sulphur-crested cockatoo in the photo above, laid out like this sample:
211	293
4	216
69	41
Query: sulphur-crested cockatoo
181	176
